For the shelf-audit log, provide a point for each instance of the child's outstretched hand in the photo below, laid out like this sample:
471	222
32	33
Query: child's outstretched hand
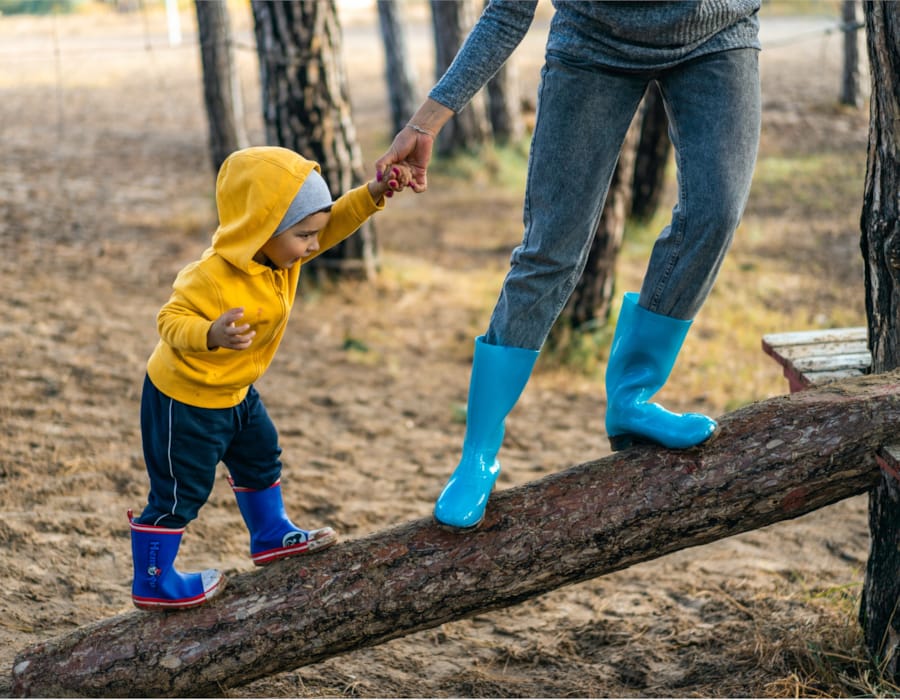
393	180
223	333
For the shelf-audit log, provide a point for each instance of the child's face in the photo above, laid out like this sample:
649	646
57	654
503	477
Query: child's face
299	241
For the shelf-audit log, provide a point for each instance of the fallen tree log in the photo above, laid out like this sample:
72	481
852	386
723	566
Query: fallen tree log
770	461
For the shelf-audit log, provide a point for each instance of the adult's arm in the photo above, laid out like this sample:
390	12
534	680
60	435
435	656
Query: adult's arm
496	34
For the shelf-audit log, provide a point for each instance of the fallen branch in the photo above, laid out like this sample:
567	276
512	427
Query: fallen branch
770	461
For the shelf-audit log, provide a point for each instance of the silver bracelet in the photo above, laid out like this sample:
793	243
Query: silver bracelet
419	130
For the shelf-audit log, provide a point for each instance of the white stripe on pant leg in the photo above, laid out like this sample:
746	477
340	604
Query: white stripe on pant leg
171	469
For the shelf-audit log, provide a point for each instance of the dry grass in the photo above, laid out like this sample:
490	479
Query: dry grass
830	660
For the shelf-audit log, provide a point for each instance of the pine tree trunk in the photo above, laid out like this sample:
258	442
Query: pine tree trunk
652	156
880	243
468	130
505	105
306	107
399	69
221	87
769	461
850	78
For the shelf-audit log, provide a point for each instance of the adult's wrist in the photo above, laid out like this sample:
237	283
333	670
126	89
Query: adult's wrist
420	129
430	118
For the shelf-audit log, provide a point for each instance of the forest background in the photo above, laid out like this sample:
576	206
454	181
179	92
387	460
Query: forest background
106	191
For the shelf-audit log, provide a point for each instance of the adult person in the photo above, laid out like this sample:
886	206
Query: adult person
600	58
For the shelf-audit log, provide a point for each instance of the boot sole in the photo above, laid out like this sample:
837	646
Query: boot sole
626	440
164	605
623	442
455	528
311	547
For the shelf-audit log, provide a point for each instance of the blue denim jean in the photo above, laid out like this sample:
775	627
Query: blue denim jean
713	106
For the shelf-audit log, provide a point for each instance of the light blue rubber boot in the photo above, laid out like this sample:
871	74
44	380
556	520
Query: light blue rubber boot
158	585
272	535
499	374
643	353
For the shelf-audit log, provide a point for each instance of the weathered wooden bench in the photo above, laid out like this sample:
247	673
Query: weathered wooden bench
821	356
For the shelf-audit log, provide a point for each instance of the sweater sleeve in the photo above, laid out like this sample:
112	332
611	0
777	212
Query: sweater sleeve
496	34
184	321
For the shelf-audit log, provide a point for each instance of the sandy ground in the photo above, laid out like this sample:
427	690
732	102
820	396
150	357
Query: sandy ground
106	192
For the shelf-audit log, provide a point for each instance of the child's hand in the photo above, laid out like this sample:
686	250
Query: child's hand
224	334
394	180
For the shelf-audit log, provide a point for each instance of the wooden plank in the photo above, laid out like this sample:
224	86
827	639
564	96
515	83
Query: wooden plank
793	352
829	335
817	378
828	363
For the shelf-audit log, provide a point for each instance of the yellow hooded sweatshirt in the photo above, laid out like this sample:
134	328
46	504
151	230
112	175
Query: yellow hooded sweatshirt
254	188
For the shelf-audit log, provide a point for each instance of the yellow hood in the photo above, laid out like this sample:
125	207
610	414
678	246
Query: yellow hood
254	189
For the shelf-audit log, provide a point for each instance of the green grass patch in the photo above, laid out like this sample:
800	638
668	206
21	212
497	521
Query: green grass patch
822	182
38	7
503	166
583	350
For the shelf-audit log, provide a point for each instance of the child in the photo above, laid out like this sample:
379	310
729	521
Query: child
218	333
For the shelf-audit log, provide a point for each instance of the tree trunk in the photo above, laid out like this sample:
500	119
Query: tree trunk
769	461
590	304
652	156
468	130
850	78
399	70
306	107
505	104
221	87
880	243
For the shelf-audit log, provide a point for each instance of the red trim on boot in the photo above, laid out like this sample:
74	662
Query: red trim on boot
182	604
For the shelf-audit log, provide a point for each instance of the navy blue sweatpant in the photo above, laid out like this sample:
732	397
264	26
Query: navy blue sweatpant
184	444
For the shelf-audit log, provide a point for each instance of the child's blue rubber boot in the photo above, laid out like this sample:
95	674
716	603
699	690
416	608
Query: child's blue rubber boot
158	585
272	535
499	375
644	350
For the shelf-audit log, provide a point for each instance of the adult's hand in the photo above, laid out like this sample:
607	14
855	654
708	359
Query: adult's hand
413	149
413	143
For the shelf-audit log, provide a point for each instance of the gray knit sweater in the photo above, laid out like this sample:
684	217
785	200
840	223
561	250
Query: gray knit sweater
618	35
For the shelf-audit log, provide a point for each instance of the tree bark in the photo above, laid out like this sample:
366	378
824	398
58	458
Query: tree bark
468	130
850	77
221	87
769	461
306	107
399	70
880	242
504	101
652	156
